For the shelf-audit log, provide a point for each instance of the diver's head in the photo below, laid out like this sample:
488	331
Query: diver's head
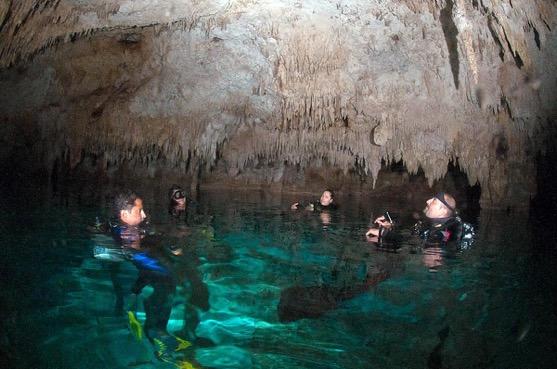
129	208
442	205
177	196
327	198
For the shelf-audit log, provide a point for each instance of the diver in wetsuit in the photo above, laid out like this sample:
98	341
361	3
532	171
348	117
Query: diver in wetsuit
199	298
442	225
178	201
152	261
326	202
155	265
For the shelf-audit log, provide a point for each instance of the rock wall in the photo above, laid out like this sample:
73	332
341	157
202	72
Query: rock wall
227	87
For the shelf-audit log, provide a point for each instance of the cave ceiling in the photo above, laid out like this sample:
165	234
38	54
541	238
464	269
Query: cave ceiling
209	84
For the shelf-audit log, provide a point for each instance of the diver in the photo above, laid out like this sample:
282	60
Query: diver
177	201
149	258
156	265
199	293
111	256
326	202
441	226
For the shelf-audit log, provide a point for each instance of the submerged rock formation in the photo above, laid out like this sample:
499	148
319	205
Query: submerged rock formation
229	87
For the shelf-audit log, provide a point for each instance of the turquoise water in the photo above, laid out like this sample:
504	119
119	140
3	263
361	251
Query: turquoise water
492	306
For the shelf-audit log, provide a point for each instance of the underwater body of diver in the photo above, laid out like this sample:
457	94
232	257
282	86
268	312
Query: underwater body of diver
433	238
157	269
299	302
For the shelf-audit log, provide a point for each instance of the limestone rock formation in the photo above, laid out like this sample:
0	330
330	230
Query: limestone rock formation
201	86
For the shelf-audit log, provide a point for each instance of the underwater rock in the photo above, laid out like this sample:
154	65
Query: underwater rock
311	302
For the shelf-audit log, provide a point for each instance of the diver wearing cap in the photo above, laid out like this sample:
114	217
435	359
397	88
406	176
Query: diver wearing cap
443	224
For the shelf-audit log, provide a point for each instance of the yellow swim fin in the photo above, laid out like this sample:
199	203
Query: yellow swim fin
184	365
182	344
135	326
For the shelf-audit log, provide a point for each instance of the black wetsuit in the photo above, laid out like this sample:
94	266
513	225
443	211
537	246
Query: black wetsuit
438	232
154	270
198	290
433	233
316	206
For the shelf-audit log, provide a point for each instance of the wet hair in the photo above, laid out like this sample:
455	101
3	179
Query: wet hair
125	200
331	192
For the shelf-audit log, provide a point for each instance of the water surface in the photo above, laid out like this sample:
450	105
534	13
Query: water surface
492	306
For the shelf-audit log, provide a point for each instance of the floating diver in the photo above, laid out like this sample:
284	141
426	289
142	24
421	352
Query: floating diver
442	224
326	202
135	244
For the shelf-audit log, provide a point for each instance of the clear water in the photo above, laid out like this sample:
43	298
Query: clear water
492	306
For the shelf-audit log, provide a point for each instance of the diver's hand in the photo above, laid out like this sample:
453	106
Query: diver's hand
383	222
372	232
294	206
177	252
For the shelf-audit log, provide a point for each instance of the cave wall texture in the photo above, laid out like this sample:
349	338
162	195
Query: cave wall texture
230	87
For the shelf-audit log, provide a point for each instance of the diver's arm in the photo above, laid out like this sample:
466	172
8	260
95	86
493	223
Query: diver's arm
299	205
384	226
383	222
174	250
158	242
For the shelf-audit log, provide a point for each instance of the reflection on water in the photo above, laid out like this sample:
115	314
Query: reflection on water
432	257
265	287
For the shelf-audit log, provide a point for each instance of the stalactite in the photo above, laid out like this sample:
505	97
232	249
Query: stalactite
4	12
63	23
451	32
308	87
